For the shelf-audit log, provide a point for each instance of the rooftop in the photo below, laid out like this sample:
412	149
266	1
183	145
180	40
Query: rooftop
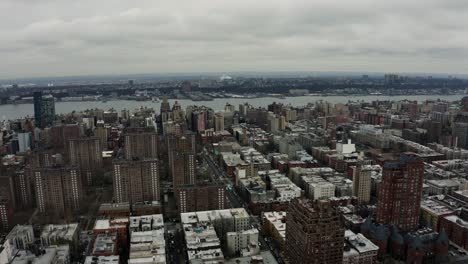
102	260
359	242
435	207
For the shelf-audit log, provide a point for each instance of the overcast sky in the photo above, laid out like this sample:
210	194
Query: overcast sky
68	38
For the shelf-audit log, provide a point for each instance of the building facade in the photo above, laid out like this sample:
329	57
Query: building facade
314	232
141	146
136	181
362	183
58	190
193	198
400	193
86	153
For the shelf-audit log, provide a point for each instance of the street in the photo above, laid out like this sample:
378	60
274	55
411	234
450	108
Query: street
220	176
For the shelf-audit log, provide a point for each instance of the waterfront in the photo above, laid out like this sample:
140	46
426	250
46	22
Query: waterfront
15	111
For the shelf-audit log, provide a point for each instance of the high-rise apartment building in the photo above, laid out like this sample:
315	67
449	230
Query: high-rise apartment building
181	158
194	198
44	110
24	142
182	143
183	168
141	145
362	183
86	153
58	190
165	110
460	134
314	232
136	181
23	189
16	188
6	214
60	135
400	191
219	121
102	133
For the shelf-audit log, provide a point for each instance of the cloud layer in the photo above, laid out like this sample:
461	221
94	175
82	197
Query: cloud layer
54	37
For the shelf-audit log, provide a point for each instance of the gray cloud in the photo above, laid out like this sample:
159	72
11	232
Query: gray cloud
53	37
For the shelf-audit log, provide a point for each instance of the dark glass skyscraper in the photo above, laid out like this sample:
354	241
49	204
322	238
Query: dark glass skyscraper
38	108
44	110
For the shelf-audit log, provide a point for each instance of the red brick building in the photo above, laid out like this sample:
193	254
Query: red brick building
456	229
119	226
314	232
400	193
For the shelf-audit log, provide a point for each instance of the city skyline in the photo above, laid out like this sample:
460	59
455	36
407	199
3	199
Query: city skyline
263	132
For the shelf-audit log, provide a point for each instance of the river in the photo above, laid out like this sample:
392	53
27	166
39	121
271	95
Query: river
15	111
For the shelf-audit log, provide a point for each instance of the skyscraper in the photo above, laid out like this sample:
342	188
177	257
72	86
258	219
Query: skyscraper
44	110
165	110
136	181
181	158
24	142
102	132
362	183
400	193
219	121
314	232
141	145
183	168
86	153
37	96
460	134
6	214
58	190
15	186
61	134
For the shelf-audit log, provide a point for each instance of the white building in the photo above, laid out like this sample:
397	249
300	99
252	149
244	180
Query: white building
285	189
147	243
345	148
244	242
53	234
20	236
146	222
316	187
102	260
274	223
359	249
24	142
53	255
204	232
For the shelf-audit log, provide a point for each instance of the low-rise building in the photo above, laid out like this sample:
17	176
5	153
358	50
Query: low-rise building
21	236
244	243
432	212
53	234
105	245
359	249
119	226
456	229
444	186
274	225
205	233
147	243
102	260
53	255
115	209
316	187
